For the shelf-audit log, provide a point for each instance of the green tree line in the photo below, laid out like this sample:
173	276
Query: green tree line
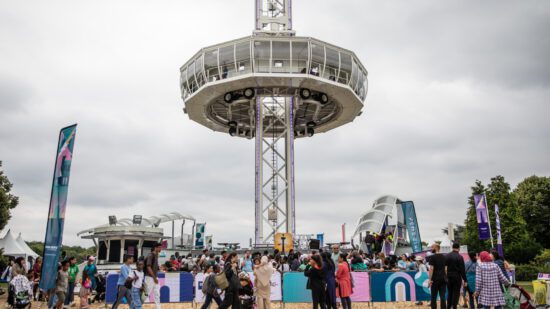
79	252
524	217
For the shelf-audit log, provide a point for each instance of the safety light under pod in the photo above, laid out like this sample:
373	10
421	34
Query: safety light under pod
232	128
310	128
230	97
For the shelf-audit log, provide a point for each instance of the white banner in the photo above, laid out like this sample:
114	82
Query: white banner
276	289
199	297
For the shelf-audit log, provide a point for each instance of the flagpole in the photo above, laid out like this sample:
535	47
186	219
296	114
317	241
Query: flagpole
489	220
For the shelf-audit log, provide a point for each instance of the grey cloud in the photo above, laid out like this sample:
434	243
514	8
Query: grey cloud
457	92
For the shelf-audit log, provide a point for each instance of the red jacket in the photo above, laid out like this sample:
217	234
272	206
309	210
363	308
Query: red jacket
343	277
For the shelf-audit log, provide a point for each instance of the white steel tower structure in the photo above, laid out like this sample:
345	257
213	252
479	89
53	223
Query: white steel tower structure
274	87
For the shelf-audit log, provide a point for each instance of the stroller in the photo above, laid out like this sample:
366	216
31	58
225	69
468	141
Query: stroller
520	295
20	291
99	293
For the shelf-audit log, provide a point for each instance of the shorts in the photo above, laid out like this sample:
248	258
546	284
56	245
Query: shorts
60	296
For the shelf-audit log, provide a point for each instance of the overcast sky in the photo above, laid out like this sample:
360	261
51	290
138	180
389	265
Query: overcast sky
458	91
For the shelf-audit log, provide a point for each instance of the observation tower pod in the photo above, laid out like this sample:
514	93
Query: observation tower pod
273	87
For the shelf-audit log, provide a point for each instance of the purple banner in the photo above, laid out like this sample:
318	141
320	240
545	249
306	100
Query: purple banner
482	215
500	249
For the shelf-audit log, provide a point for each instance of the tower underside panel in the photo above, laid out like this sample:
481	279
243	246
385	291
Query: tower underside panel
209	108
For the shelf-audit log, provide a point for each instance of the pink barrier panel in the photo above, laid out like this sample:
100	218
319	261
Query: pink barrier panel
361	291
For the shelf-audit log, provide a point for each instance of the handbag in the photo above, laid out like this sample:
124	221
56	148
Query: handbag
221	281
471	278
129	281
511	301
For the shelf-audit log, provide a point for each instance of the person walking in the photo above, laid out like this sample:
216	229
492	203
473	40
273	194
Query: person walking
316	281
73	271
62	284
137	276
330	270
246	265
471	267
421	268
85	289
36	273
209	286
369	242
438	277
262	282
497	259
122	289
343	280
151	271
19	267
91	271
231	298
489	277
456	275
335	253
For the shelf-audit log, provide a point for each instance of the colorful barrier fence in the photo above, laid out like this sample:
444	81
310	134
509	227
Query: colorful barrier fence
376	287
295	291
400	286
174	288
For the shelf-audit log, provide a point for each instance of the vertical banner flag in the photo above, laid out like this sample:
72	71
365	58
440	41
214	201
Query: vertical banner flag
58	204
482	215
411	222
321	238
499	238
208	242
199	235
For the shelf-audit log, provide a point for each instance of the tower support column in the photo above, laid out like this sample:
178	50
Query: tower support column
274	167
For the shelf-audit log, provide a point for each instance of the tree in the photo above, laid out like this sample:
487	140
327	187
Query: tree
519	246
8	201
533	199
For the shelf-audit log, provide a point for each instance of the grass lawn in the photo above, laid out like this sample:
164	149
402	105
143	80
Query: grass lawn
527	285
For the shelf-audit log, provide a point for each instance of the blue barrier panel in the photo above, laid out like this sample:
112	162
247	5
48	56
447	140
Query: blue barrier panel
294	288
399	286
174	287
110	288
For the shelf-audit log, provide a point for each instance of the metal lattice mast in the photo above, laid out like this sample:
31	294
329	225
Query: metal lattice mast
274	169
275	195
274	17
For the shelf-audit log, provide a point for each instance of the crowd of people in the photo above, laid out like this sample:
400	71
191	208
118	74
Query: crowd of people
328	277
24	276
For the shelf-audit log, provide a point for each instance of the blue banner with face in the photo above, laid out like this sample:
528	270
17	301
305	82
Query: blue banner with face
58	204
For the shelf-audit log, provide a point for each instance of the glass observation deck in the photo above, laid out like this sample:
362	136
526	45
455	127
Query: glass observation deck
273	55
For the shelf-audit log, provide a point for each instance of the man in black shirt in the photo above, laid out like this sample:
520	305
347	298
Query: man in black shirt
369	241
456	273
438	277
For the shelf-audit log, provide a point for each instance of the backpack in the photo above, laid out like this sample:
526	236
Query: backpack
209	285
471	278
221	281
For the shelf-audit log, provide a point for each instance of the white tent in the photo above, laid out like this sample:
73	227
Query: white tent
11	247
26	247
